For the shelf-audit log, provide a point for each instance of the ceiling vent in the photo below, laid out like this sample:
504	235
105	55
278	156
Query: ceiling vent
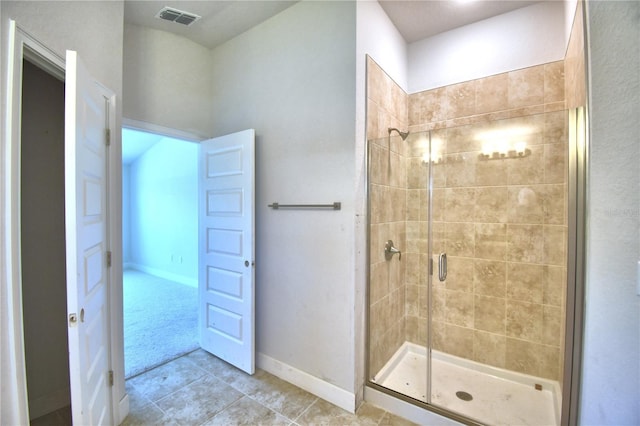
179	16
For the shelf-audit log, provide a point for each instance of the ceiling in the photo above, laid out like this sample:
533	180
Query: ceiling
223	20
419	19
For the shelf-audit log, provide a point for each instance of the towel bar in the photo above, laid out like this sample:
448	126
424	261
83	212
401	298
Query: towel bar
335	206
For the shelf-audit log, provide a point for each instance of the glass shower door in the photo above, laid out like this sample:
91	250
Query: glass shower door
498	229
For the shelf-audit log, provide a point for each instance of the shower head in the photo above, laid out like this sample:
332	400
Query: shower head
403	135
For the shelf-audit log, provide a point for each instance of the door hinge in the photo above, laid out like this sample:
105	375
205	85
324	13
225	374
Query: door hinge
108	259
107	133
110	377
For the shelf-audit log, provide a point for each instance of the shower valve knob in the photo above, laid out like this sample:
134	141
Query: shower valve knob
390	250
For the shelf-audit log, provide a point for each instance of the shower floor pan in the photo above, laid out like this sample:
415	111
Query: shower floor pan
499	397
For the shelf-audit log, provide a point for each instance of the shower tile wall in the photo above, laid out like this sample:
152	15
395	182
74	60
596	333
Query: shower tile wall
503	302
387	106
575	85
502	223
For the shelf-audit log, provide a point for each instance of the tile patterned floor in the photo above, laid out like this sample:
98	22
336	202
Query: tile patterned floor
200	389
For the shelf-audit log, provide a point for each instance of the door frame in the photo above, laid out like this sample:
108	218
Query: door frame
24	46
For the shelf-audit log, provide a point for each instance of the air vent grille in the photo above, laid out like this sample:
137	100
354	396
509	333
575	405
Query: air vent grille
179	16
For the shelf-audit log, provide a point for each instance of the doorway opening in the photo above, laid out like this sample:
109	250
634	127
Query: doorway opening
42	229
160	249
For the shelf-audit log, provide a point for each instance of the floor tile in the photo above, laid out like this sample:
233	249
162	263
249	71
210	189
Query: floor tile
51	419
325	413
198	401
150	414
282	397
200	389
246	411
166	379
229	374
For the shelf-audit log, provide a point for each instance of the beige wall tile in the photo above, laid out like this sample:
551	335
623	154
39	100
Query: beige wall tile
554	283
526	204
459	204
489	314
527	170
555	163
526	87
525	282
489	348
555	204
460	169
439	303
525	243
555	127
412	300
492	93
554	82
490	241
412	267
423	302
417	174
462	99
463	139
459	341
551	325
491	204
460	238
438	199
524	321
523	356
555	242
549	362
460	273
491	172
489	278
378	284
459	308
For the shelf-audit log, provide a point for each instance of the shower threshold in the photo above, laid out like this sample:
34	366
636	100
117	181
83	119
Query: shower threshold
498	396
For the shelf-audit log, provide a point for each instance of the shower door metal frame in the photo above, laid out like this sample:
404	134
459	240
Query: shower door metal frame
574	321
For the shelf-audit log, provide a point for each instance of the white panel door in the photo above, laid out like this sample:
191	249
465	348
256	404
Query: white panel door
226	239
86	241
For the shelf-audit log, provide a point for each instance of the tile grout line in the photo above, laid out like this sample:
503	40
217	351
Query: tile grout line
306	409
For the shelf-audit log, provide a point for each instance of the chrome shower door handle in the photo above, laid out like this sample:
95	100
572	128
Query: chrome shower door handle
442	266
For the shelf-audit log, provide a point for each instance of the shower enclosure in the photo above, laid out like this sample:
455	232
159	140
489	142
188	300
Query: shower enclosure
467	267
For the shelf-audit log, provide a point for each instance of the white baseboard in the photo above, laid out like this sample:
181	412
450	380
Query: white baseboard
49	403
327	391
164	274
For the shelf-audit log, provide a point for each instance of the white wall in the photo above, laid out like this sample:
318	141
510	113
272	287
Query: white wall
380	39
611	359
292	78
126	215
94	29
529	36
163	211
167	80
